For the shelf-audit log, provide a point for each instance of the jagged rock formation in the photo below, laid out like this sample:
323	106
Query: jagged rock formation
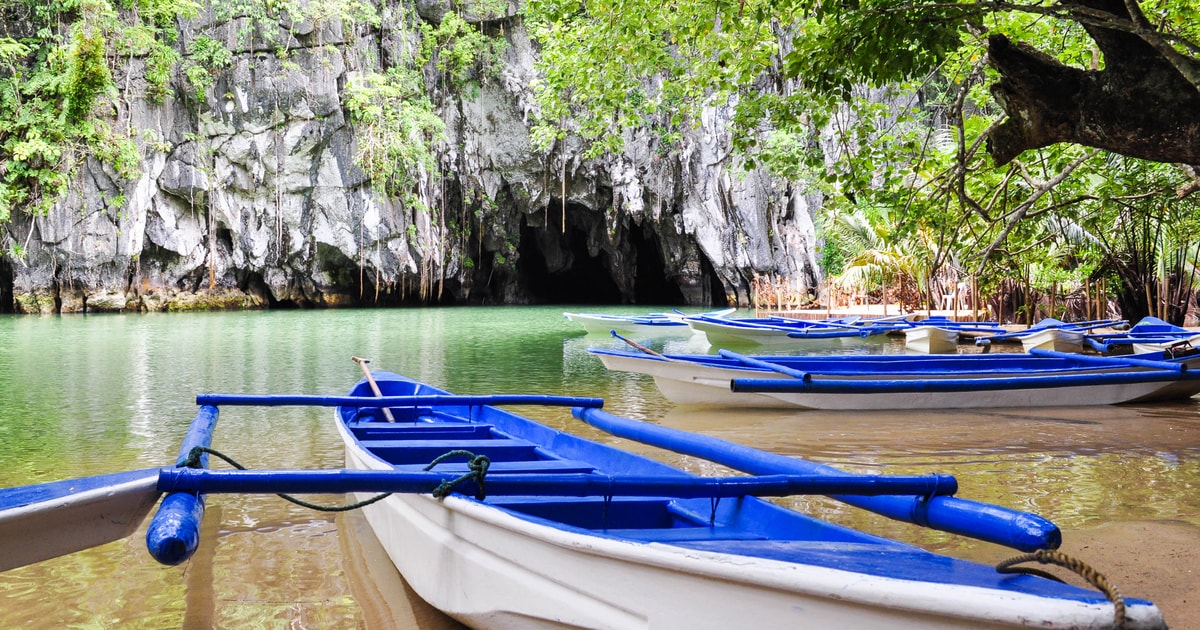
252	198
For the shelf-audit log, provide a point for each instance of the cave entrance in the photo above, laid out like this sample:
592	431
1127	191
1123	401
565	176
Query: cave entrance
576	278
556	268
651	285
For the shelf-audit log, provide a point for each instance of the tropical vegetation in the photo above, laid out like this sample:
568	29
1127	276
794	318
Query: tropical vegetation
907	114
952	139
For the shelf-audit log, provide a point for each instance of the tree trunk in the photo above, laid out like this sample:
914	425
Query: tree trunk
1139	105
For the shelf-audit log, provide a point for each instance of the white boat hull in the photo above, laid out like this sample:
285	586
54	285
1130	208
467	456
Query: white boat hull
693	384
719	334
931	340
600	325
1056	339
490	569
1141	348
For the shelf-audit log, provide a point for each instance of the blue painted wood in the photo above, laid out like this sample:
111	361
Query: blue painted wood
22	496
765	365
931	385
991	523
203	481
882	365
174	532
1170	366
434	400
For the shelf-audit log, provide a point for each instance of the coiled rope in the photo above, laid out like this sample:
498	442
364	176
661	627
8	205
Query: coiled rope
477	469
1094	577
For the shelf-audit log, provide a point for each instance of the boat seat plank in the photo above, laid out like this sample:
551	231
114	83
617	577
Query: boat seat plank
680	534
556	466
417	451
596	513
421	430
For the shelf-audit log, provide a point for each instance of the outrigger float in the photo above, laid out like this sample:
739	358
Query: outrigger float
500	521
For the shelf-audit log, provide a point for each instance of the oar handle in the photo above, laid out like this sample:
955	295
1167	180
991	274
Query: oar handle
638	345
362	363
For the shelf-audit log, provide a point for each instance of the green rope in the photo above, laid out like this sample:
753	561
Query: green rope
193	461
476	469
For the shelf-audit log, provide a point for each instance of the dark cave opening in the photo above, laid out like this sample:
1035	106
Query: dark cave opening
579	278
556	268
651	284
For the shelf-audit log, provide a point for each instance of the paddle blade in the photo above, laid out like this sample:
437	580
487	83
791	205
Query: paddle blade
54	519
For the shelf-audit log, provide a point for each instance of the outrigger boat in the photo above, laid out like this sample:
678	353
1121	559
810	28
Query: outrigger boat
1052	334
1151	334
941	335
1042	378
500	521
723	331
648	325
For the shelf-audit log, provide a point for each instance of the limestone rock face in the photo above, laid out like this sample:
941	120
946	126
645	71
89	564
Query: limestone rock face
252	198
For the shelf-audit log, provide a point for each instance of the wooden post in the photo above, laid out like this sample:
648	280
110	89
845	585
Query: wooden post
974	299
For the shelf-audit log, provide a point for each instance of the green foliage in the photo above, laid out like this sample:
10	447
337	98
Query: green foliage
397	130
206	58
455	47
57	91
87	73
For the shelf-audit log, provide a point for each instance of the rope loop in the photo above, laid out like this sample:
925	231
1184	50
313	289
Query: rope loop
477	468
1093	577
193	461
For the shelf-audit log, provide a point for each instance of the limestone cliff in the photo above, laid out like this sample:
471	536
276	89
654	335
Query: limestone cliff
251	197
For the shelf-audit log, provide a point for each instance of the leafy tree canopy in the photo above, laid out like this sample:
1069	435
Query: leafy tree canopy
904	109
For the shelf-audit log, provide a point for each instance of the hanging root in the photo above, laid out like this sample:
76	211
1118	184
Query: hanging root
1093	577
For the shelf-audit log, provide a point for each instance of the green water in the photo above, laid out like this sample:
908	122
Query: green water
83	395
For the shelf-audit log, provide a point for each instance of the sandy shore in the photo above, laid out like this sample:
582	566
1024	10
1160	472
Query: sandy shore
1154	560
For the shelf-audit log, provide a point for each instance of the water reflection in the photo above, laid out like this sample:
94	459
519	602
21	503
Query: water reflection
87	395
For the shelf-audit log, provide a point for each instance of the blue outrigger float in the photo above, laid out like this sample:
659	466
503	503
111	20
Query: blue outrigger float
500	521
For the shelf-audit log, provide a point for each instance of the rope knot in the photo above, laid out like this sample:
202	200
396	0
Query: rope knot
477	467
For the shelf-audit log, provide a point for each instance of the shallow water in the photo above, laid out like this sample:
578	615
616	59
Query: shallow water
83	395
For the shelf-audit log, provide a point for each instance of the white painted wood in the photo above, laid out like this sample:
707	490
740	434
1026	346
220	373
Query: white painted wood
931	340
490	569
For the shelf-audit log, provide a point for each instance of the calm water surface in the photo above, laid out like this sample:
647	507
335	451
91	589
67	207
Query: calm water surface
83	395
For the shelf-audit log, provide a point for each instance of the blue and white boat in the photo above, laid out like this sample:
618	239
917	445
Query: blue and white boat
1150	334
502	522
1042	378
1052	334
648	325
941	335
732	331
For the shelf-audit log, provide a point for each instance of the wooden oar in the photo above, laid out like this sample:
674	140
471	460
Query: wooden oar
362	363
641	347
573	485
991	523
